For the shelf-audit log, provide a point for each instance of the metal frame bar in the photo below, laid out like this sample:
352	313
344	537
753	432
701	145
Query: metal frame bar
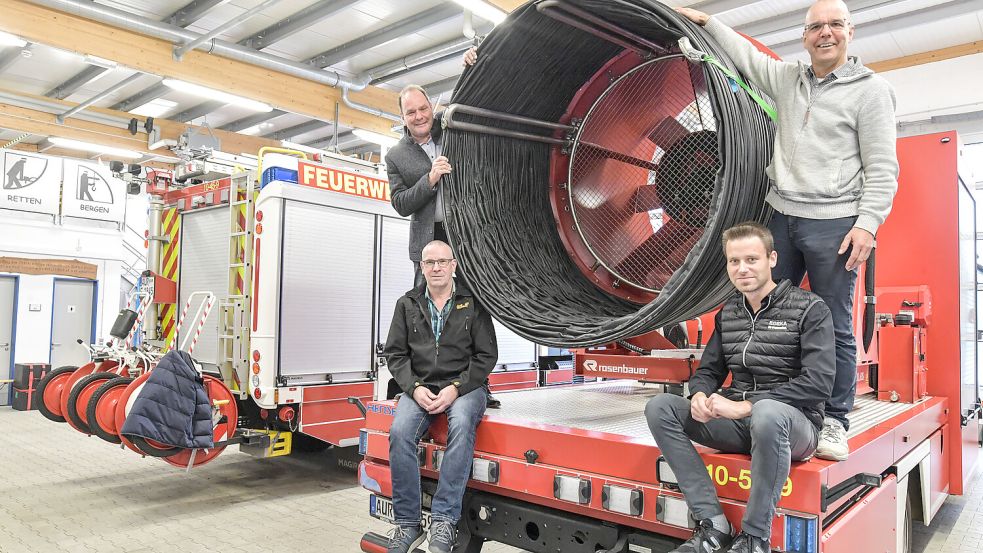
610	32
450	122
180	51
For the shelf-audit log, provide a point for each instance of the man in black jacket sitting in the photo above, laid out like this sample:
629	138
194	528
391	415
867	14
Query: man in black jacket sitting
440	350
777	342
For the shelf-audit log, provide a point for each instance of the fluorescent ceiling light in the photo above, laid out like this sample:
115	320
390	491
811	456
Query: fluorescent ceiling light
301	147
213	94
154	108
7	39
94	148
483	10
99	62
376	138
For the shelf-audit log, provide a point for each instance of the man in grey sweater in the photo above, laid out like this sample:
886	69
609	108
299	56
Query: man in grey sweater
834	174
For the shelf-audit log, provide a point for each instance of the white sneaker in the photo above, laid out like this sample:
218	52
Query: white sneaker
832	441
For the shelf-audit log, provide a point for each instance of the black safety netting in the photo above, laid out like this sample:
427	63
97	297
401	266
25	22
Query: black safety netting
667	158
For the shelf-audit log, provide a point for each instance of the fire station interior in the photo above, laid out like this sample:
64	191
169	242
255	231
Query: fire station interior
203	183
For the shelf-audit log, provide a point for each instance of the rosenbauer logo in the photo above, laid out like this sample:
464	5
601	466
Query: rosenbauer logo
343	181
592	365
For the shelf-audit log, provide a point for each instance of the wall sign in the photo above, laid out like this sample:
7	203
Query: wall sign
91	191
31	266
30	182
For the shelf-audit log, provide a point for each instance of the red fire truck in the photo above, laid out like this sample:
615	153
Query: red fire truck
574	468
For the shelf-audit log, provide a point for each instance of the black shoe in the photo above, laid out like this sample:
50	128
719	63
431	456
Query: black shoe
706	539
492	402
746	543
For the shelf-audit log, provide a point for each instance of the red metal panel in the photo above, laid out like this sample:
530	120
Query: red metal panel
939	479
653	369
335	432
902	371
329	411
512	377
871	525
516	386
205	190
873	450
559	376
338	391
924	220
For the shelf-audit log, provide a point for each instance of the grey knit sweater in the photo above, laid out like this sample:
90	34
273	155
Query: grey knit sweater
835	145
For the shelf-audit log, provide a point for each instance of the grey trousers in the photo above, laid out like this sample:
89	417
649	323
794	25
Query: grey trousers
774	435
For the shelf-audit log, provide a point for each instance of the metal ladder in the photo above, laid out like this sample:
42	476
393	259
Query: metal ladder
234	310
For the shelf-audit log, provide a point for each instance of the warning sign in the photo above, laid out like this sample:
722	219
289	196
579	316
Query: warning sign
91	191
30	182
337	180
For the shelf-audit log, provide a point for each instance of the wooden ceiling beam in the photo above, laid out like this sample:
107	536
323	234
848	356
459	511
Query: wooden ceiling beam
44	124
294	94
931	56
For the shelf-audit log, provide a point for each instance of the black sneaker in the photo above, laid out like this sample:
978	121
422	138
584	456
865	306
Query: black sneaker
493	403
403	539
706	539
746	543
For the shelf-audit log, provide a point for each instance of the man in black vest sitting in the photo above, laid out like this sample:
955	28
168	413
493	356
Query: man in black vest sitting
777	342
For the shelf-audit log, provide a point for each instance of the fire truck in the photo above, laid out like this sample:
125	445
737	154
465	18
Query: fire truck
279	273
575	469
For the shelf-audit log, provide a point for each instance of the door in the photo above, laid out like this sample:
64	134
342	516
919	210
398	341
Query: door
72	320
8	291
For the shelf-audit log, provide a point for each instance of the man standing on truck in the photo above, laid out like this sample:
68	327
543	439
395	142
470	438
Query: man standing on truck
415	167
834	175
774	339
441	349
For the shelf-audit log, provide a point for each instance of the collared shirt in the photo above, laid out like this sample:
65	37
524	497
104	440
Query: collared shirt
439	316
433	150
816	82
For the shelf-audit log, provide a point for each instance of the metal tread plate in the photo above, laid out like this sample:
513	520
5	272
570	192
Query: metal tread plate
618	407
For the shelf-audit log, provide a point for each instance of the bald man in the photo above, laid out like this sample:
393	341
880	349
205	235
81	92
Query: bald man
834	175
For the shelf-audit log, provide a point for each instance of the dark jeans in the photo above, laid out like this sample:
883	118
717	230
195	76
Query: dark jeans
409	425
810	246
775	434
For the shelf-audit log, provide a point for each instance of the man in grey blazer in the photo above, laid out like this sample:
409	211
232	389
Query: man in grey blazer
415	167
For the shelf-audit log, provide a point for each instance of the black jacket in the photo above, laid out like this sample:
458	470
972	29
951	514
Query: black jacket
467	353
412	196
784	352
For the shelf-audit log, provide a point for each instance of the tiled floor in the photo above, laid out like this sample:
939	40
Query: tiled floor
63	492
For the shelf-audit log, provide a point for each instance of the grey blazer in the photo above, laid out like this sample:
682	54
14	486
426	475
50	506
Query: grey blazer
408	167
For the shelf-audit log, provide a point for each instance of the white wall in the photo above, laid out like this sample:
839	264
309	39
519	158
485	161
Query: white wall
22	235
951	91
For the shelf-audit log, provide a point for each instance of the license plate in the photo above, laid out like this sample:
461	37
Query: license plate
382	509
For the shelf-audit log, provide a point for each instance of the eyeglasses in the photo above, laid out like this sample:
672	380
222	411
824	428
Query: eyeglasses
835	25
430	263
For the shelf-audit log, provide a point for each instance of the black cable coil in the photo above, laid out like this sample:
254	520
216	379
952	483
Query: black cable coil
497	200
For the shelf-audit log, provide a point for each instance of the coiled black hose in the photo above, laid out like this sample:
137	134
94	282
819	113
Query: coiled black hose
497	201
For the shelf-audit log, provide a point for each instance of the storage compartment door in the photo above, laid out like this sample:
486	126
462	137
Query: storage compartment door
395	273
204	268
326	314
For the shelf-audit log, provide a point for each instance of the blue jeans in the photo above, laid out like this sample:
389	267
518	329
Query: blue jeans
810	246
409	425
